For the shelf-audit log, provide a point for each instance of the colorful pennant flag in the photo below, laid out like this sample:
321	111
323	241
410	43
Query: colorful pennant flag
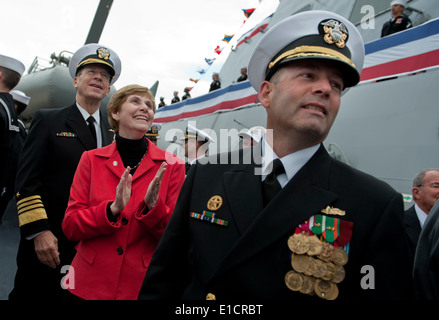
227	38
201	71
209	61
248	12
218	50
194	80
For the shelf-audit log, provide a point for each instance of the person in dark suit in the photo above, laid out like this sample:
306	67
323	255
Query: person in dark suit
175	99
11	71
330	231
215	84
425	193
426	265
187	94
20	103
243	75
51	152
399	21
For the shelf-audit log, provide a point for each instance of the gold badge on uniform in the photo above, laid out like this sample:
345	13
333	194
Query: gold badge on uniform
103	53
319	251
214	203
333	211
335	32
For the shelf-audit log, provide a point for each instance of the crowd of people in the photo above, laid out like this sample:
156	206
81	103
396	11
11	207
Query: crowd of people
214	85
97	195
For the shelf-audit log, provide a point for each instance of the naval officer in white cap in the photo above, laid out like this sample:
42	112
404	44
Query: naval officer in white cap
55	142
11	71
233	237
399	21
252	136
196	144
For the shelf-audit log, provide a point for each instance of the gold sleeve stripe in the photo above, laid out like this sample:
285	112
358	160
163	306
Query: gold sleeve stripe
23	206
32	216
30	209
28	199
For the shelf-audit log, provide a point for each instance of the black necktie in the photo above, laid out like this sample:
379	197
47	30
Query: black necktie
270	186
91	126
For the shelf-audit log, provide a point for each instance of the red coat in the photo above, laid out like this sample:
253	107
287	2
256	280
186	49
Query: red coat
112	258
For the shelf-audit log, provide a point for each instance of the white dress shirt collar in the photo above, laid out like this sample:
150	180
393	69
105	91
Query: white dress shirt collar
422	216
292	162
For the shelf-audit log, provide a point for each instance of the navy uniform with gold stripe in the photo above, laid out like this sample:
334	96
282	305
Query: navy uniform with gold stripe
330	232
52	150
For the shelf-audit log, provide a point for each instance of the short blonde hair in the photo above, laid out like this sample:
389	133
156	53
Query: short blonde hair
120	96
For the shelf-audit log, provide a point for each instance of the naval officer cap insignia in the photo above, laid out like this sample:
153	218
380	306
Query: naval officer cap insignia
94	53
11	64
311	34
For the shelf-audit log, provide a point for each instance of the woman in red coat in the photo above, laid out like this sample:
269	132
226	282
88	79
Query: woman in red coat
121	199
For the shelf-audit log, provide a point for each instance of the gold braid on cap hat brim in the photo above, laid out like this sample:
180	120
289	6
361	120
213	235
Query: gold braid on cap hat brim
188	136
305	51
92	60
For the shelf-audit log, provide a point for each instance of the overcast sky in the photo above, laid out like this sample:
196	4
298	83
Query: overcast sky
165	40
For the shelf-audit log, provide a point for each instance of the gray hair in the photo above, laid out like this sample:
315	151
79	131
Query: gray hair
417	181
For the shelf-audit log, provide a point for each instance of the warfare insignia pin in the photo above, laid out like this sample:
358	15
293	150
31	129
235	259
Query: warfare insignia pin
333	211
334	32
214	203
103	53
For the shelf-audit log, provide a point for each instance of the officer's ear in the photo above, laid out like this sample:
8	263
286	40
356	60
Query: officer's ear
265	93
75	82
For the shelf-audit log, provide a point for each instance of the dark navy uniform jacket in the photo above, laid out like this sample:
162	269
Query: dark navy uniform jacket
397	24
249	258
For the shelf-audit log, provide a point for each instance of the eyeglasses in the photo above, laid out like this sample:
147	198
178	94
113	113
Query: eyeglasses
93	72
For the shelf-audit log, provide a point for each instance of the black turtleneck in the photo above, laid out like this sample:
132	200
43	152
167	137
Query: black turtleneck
131	151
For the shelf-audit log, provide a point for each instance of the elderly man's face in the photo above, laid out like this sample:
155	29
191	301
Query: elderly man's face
302	99
427	194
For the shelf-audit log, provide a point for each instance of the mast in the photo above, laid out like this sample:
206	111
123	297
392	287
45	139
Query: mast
99	21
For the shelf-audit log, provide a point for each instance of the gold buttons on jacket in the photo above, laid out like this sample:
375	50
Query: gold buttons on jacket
210	296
